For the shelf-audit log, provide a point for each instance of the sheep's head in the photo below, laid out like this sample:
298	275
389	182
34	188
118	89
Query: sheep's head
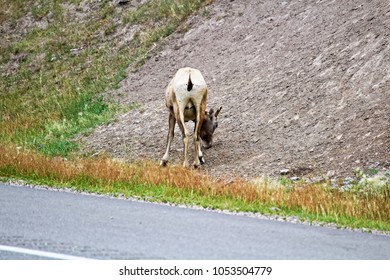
210	123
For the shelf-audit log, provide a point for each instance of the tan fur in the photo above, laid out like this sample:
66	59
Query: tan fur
185	97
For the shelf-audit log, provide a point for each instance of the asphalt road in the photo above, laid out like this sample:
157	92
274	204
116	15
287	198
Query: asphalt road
99	227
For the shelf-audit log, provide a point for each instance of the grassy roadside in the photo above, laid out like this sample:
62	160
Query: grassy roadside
52	88
184	186
53	77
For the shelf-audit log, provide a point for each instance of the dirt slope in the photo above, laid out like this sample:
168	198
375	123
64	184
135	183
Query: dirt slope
304	85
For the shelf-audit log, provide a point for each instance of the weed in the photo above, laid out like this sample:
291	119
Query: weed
284	181
11	10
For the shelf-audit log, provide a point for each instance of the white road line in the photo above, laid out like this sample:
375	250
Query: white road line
39	253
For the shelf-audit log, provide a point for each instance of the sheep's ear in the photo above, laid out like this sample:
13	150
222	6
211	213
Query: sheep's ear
219	110
211	112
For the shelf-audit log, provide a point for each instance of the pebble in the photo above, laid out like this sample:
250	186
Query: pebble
284	171
330	174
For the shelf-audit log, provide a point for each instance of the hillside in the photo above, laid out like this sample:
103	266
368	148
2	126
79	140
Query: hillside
304	85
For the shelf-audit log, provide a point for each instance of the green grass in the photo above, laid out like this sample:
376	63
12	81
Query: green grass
55	91
161	10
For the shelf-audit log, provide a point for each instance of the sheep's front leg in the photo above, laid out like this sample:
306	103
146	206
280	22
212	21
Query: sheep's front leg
171	132
198	160
185	135
179	108
201	157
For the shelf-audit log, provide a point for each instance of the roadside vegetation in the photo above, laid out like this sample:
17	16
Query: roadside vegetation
53	80
174	184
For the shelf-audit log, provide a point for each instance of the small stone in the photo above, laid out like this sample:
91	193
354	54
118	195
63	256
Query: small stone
294	178
284	171
75	52
330	174
123	2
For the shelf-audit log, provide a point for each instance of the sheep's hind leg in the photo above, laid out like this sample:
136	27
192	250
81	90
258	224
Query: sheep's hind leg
200	105
171	131
185	135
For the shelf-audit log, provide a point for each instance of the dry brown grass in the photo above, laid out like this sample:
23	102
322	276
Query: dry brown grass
106	173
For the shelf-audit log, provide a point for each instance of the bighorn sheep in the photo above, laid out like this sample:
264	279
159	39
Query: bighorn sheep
185	98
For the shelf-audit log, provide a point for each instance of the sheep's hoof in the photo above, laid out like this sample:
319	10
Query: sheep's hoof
201	159
163	163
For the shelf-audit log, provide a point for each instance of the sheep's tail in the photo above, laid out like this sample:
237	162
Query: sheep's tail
189	84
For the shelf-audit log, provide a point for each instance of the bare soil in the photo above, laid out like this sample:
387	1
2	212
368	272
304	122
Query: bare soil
304	85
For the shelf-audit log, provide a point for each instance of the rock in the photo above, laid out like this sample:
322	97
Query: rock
284	171
123	2
75	51
330	174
